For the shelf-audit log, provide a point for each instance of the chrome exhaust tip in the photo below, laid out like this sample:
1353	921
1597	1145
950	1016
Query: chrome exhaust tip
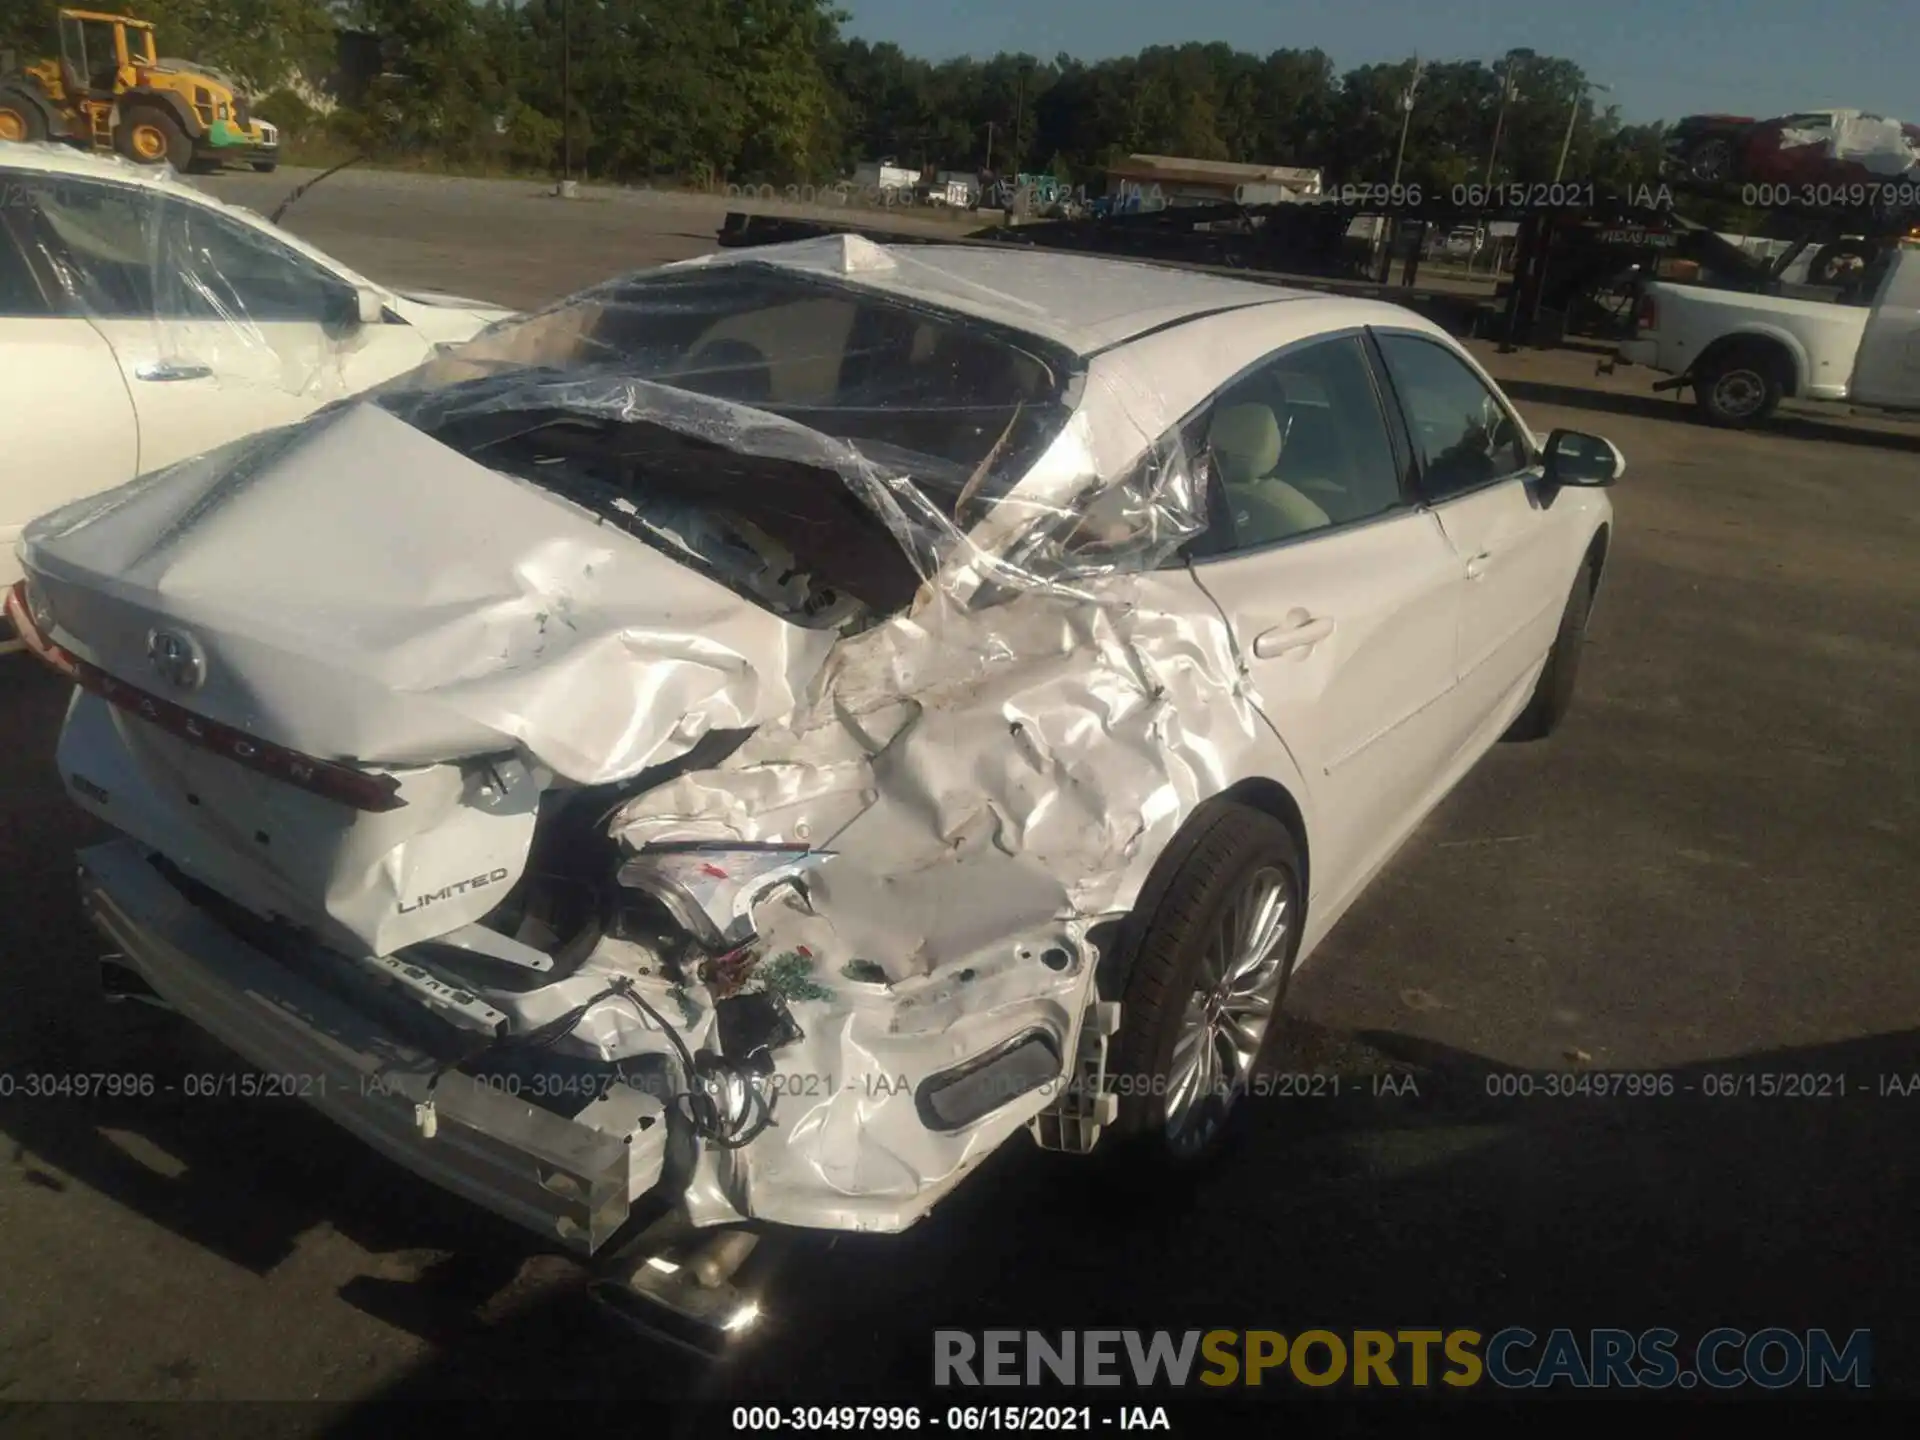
120	982
684	1295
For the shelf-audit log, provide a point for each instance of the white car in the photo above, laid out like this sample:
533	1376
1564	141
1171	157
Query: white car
1742	354
142	321
765	732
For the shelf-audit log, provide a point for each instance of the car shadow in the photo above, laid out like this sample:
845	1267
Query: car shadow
1445	1196
1425	1186
1788	425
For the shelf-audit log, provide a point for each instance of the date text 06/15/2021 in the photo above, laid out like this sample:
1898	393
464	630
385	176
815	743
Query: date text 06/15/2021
908	1419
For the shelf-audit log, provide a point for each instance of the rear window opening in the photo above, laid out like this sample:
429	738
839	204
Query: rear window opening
955	408
789	536
852	363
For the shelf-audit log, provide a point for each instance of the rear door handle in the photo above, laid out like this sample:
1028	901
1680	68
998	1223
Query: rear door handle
1301	632
1477	566
162	370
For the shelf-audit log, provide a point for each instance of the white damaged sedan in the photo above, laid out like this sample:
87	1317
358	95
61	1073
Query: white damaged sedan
751	739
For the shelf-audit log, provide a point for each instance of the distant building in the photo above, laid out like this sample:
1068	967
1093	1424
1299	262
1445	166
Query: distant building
884	175
1177	180
359	58
964	184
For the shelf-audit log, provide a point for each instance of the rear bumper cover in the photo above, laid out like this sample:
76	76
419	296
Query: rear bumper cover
556	1176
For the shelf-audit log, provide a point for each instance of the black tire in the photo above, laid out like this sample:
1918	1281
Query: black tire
1553	693
1710	161
20	118
1738	387
175	146
266	167
1226	849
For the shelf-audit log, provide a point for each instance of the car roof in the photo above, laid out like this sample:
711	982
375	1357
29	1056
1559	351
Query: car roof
1087	303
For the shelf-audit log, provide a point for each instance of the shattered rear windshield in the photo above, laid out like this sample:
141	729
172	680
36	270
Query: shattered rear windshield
922	389
944	413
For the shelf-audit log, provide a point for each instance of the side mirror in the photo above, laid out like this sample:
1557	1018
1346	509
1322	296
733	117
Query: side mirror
349	308
1575	458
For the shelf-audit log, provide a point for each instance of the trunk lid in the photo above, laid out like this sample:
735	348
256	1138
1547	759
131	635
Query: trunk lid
355	591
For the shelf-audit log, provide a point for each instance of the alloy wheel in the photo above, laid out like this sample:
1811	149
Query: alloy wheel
1226	1019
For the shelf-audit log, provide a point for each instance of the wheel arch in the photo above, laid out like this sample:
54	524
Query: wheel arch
1596	556
1269	796
1787	353
170	101
36	100
1257	792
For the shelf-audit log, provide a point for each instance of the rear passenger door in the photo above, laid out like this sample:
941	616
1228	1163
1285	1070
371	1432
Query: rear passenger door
66	421
1480	475
1341	593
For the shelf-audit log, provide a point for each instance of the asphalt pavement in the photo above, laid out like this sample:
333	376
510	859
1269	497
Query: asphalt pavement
1708	874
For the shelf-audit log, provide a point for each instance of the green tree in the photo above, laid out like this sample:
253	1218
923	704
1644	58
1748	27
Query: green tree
258	41
261	42
770	90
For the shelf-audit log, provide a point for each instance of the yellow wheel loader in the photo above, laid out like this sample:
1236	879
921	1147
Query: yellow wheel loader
109	90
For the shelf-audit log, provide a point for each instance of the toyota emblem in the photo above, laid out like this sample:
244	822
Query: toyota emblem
176	659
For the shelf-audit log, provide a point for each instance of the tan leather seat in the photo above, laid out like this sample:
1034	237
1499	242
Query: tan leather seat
1246	444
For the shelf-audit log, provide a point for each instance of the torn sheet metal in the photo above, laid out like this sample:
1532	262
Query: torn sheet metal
980	830
911	559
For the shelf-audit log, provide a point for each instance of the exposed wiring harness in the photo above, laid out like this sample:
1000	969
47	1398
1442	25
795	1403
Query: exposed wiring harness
709	1121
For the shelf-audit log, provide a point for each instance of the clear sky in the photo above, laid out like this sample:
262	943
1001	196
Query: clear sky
1663	58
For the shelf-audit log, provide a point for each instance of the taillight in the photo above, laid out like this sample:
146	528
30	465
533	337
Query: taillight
1647	316
327	778
33	634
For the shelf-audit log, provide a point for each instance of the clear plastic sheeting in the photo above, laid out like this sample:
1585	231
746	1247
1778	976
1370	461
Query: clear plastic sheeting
966	441
192	293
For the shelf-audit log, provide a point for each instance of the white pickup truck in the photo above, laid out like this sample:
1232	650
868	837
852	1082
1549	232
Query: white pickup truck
1742	354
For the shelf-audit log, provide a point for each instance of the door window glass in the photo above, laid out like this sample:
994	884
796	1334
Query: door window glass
1464	436
219	269
103	55
20	294
129	253
1297	445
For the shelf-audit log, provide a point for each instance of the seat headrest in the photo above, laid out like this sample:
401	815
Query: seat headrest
1245	440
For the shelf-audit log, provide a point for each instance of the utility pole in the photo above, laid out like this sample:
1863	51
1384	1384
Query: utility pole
566	90
1020	121
989	147
1573	114
1406	117
1509	90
